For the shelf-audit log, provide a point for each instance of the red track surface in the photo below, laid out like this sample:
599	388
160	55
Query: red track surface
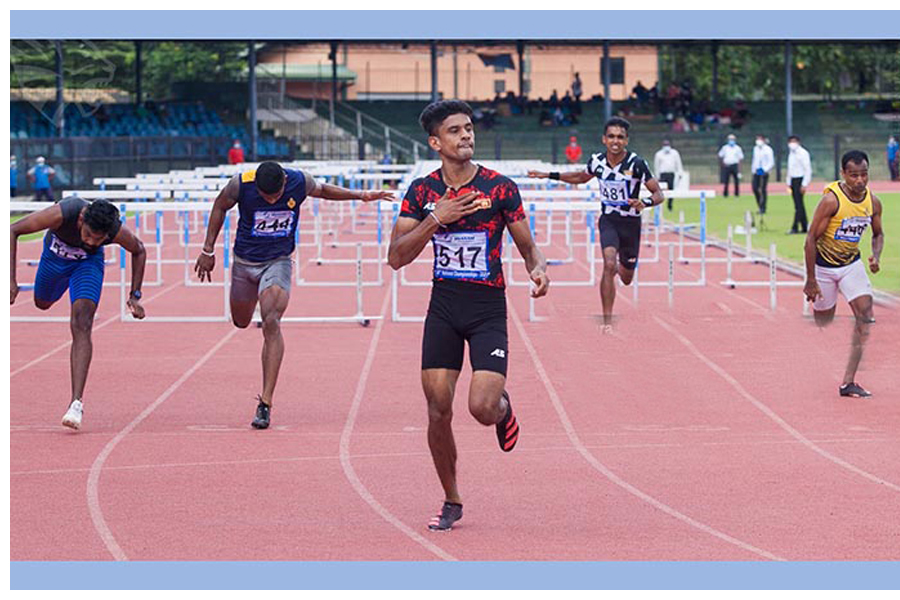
710	431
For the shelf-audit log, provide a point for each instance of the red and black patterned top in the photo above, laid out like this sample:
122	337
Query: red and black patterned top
469	249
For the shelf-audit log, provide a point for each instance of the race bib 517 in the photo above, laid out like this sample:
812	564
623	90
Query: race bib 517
272	223
461	255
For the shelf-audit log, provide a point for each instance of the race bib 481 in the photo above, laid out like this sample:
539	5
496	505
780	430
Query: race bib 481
614	193
461	255
272	223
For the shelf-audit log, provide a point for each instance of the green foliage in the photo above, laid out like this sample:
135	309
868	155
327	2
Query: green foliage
756	72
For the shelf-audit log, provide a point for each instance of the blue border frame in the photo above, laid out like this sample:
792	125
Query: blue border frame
379	25
363	25
455	575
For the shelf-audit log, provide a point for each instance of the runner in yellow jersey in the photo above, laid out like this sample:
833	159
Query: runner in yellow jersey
833	259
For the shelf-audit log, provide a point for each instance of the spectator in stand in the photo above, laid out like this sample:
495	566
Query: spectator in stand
554	100
730	157
40	176
577	91
573	151
667	166
640	92
13	175
762	163
236	153
893	158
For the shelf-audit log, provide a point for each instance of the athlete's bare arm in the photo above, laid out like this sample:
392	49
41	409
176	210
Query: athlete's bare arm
410	236
656	196
336	192
877	235
49	218
574	177
827	208
534	258
225	201
130	242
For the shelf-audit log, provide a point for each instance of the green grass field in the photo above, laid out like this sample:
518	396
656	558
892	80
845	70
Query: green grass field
722	212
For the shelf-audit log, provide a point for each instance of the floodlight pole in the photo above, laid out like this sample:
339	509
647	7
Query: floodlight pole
59	115
788	93
520	47
434	72
138	72
251	63
334	85
607	77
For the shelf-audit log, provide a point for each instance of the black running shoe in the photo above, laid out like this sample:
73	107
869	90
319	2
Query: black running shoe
451	512
261	421
508	428
854	390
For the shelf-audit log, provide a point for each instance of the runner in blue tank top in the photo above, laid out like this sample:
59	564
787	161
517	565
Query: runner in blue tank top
72	260
268	201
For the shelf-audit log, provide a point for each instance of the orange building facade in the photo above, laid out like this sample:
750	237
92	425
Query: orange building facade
395	71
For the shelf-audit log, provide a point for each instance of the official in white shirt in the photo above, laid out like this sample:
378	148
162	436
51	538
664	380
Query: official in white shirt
762	163
667	166
730	157
799	173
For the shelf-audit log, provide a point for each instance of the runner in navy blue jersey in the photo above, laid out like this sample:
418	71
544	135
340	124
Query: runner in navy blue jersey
268	200
462	209
620	174
73	259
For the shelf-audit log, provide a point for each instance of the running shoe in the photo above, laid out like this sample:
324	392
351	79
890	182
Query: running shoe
451	512
72	418
263	410
508	428
854	390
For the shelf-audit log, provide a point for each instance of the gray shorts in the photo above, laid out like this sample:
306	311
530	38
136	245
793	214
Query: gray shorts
249	279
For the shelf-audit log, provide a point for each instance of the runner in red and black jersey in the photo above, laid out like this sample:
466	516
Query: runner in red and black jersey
620	174
462	209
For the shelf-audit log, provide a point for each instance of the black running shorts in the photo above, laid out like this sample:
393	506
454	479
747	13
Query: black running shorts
624	234
466	312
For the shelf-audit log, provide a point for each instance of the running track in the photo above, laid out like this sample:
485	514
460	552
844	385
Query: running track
711	431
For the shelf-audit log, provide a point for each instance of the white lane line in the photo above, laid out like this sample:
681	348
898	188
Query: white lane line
93	482
350	473
772	414
605	471
112	319
725	308
383	455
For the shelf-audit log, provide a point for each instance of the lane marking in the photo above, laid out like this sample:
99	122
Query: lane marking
112	319
605	471
770	413
93	482
346	464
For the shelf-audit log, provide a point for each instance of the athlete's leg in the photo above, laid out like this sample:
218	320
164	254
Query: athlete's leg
824	317
273	301
439	386
244	294
81	323
486	401
864	317
608	282
626	274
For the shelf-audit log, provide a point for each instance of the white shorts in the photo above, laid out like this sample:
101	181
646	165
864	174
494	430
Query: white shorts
851	280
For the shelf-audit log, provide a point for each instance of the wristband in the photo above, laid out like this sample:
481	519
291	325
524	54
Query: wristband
436	220
202	251
554	175
647	201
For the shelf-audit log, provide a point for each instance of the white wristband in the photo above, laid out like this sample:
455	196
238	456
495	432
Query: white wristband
436	220
202	251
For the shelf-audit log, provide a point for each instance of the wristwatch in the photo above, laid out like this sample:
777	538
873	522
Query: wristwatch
136	294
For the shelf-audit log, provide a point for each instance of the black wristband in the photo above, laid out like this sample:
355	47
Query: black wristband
554	175
647	202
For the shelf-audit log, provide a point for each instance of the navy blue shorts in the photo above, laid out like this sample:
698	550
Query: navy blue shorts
82	277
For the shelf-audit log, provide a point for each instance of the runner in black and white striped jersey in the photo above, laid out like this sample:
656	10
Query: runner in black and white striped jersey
620	174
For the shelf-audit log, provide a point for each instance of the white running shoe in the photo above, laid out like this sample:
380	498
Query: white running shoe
72	418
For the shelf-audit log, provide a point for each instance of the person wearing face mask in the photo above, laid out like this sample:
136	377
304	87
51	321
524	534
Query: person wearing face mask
667	164
730	157
762	163
799	173
893	153
235	153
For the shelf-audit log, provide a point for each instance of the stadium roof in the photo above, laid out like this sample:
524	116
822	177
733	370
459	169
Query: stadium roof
296	72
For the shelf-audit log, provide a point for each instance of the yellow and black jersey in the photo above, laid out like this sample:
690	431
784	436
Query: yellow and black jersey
839	245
